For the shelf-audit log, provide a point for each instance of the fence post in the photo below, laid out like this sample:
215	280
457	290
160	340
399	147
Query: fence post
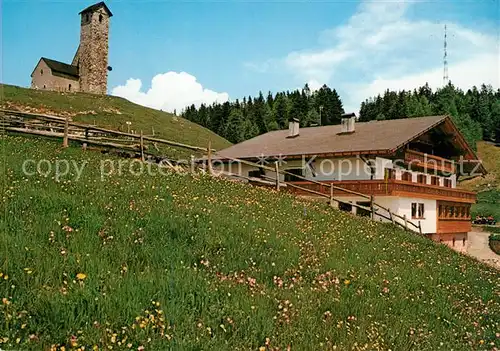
390	215
277	176
65	138
86	133
406	222
209	157
372	209
142	147
420	227
331	194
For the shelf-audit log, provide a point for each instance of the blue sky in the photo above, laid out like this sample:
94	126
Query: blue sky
201	51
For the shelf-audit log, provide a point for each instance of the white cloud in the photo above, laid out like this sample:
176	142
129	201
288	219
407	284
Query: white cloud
468	73
314	85
380	47
169	91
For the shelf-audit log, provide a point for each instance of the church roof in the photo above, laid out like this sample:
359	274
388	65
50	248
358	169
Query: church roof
61	67
95	7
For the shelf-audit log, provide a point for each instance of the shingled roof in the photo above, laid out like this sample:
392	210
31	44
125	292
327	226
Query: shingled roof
375	137
61	67
95	7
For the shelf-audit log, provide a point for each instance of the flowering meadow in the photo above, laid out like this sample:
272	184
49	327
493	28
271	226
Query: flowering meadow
188	262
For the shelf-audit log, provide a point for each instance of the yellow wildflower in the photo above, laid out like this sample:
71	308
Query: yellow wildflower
81	276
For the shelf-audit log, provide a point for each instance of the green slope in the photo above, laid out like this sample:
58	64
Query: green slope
193	263
490	155
488	187
109	111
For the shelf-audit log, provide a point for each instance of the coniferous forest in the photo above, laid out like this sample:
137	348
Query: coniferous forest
476	111
241	120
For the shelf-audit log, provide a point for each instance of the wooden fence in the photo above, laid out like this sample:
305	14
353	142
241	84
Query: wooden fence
59	127
375	209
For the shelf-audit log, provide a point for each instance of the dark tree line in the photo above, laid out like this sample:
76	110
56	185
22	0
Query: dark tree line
476	112
240	120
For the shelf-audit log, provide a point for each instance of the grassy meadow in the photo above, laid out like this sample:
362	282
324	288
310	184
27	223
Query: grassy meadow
181	262
488	187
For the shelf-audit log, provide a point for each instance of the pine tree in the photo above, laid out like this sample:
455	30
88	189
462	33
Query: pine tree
261	113
495	118
235	128
313	118
337	110
280	111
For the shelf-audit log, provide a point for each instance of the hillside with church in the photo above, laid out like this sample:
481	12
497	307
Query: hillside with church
88	71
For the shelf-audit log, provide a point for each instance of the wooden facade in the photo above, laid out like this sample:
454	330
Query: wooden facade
393	187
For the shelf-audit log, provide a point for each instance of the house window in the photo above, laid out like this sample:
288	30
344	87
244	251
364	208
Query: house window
257	173
417	210
390	173
454	211
420	211
294	173
434	180
41	72
44	86
422	178
447	183
406	176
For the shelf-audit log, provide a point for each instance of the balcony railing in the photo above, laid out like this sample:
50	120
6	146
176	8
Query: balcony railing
390	187
429	162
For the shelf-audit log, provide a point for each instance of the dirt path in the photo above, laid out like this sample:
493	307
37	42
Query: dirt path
480	249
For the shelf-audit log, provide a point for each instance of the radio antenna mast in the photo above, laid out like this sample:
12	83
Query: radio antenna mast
446	79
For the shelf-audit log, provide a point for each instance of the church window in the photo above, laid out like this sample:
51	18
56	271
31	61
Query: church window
100	18
41	72
69	87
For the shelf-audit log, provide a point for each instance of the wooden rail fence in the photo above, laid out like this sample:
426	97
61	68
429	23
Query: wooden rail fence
59	127
374	208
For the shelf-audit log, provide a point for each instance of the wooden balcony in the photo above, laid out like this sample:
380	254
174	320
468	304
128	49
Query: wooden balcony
429	162
390	187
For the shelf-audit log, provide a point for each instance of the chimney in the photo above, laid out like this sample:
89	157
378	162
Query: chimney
348	123
293	128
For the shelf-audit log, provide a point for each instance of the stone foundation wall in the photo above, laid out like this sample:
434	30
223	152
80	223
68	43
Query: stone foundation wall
456	241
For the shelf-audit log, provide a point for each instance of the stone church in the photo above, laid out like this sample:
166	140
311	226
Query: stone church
88	72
